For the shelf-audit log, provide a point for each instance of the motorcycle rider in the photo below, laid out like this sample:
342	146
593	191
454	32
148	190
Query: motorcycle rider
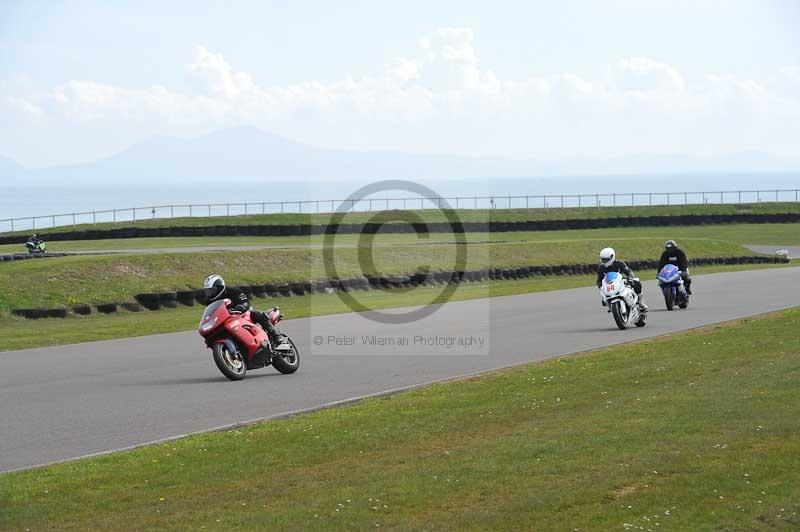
609	263
674	255
215	290
35	241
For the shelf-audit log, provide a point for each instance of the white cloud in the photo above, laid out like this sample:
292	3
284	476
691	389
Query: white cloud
440	98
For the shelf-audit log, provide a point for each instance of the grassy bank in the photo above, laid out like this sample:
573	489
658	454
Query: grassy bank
690	432
433	215
93	279
777	234
18	333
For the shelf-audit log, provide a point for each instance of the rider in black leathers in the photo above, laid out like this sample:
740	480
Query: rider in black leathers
216	290
674	255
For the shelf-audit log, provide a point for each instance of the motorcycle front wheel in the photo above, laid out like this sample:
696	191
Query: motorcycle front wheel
289	362
669	300
619	318
230	364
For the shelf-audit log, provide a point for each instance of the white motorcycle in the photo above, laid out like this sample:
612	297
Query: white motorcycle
622	301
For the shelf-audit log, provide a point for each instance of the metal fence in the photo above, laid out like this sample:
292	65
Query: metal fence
548	201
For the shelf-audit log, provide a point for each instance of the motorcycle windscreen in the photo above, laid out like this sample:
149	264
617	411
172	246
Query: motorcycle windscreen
669	273
613	277
212	309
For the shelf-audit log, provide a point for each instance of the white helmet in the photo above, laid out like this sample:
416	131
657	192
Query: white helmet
607	256
214	286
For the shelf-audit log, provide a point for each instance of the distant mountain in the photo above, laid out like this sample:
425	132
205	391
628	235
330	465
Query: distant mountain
247	154
250	155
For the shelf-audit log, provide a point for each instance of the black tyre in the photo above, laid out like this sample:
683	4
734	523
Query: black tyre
669	301
289	362
619	318
231	365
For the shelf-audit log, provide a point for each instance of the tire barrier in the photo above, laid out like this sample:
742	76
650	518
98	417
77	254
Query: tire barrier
149	301
168	299
435	227
156	301
27	256
186	297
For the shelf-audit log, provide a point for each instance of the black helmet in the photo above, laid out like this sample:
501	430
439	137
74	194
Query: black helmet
214	286
670	245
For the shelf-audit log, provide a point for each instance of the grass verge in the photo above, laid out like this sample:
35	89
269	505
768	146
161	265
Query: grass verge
97	279
768	234
690	432
18	333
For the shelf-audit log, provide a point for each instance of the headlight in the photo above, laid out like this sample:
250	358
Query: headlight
204	327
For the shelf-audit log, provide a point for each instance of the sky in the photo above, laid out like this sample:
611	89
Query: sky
551	81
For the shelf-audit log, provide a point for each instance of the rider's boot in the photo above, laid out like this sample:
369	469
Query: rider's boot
278	339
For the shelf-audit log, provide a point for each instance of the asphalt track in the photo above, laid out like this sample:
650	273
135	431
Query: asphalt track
65	402
794	251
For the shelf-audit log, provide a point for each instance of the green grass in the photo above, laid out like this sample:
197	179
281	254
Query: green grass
691	432
19	333
466	215
774	234
93	279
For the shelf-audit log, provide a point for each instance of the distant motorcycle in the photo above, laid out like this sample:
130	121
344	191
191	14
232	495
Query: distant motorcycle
622	301
238	344
36	247
671	284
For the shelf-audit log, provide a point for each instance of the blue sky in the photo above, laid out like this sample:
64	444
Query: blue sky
545	80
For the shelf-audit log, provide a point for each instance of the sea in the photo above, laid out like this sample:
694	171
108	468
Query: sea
55	204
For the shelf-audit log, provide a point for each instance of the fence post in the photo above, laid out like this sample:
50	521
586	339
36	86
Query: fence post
190	210
476	202
263	208
686	198
562	201
227	209
281	207
172	211
134	214
509	202
12	225
115	215
740	197
73	219
650	199
614	199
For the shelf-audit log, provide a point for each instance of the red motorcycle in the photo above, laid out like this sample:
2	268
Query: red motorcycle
239	344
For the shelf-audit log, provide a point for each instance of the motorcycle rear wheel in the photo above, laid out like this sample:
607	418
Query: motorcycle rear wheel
288	363
230	364
619	319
